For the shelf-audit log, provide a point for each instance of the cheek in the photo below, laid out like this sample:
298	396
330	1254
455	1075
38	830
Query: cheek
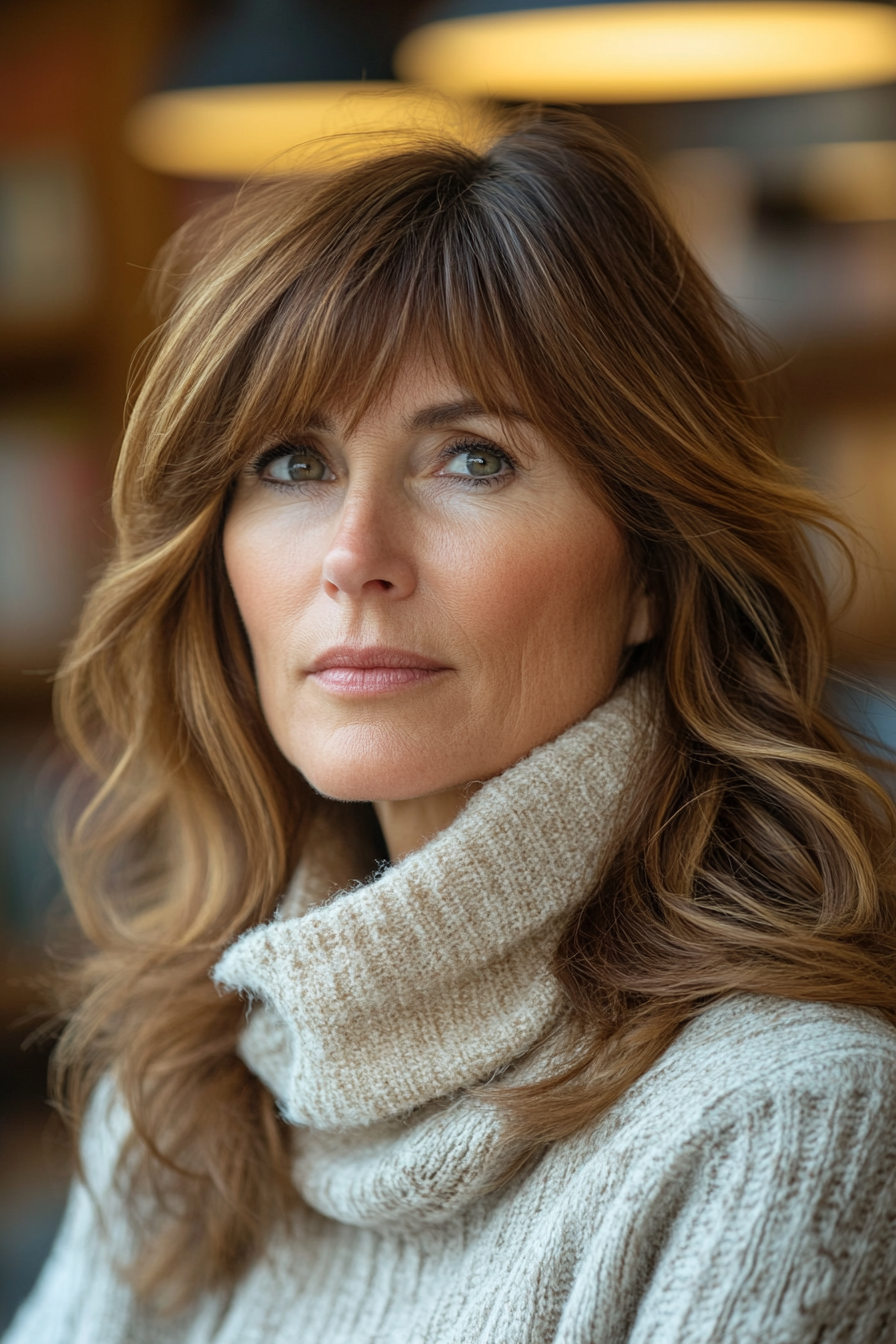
553	598
265	567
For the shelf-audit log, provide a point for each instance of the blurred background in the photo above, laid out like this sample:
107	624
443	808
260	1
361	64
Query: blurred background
774	146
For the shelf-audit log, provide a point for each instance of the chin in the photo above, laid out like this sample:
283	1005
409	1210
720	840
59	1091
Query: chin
368	765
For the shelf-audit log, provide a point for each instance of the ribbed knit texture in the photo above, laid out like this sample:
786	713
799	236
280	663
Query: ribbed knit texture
437	974
742	1192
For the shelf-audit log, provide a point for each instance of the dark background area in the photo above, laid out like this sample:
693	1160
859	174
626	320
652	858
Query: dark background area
80	223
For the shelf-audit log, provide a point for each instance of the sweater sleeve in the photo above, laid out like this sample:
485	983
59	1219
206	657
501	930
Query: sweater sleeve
79	1297
778	1223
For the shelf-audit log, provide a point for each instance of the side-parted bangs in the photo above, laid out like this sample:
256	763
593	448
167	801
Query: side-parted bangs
310	294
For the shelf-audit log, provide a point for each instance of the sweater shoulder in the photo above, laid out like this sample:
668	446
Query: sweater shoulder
787	1100
751	1168
106	1128
756	1039
760	1053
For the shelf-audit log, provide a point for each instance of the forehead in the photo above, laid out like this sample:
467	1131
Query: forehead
422	395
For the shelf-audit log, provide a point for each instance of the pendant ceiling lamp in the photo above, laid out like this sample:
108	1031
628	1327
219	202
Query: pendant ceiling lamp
270	130
651	50
254	91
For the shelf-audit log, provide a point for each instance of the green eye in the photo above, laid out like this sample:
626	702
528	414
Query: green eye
298	466
476	462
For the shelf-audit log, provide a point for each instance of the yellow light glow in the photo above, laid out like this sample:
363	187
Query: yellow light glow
852	181
275	129
656	51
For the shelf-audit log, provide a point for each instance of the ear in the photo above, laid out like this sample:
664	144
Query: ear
642	625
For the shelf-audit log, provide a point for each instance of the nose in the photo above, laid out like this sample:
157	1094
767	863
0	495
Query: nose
370	552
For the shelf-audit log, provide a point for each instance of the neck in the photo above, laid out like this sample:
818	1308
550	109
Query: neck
409	823
371	1001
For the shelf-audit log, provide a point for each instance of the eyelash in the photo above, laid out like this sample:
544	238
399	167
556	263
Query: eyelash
452	450
470	446
269	455
264	459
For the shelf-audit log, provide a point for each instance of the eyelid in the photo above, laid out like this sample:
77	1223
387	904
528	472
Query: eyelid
469	443
464	443
257	464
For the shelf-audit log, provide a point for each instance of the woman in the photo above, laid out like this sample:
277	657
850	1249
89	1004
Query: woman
446	491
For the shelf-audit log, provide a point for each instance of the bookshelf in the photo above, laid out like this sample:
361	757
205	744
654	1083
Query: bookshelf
79	224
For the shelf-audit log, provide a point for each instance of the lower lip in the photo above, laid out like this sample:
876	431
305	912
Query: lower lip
374	680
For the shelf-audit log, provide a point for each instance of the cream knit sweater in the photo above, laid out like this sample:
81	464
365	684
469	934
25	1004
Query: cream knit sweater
743	1192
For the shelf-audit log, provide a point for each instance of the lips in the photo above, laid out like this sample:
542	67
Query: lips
373	669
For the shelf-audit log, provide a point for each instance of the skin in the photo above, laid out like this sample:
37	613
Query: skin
463	541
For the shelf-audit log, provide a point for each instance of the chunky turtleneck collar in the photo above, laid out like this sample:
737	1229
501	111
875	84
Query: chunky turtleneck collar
435	975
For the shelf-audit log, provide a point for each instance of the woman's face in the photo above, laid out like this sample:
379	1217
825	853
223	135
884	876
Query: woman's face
428	596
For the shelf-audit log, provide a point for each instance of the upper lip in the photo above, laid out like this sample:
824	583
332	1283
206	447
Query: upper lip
372	655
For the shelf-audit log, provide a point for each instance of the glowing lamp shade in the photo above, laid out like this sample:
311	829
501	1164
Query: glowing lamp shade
270	130
646	51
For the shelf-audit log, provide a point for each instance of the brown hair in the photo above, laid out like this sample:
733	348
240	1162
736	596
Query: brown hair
758	855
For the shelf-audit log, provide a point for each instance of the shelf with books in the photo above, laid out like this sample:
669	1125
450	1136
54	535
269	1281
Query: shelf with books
51	532
79	226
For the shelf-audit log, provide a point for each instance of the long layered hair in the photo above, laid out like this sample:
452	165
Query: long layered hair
757	855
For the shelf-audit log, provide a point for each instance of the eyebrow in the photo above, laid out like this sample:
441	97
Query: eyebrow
431	417
446	413
323	423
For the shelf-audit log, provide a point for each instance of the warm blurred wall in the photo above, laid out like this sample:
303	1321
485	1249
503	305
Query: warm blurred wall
79	225
817	274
